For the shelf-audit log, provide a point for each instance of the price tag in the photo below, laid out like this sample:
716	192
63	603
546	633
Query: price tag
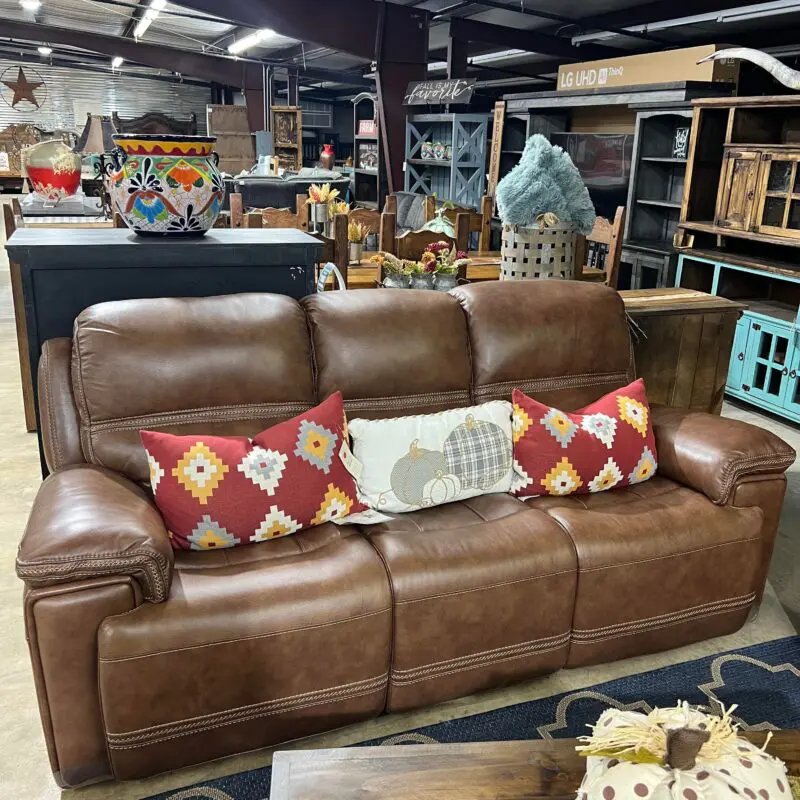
351	463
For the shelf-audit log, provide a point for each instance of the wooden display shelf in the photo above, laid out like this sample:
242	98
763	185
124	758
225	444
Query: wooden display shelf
773	308
659	203
710	227
772	266
663	160
431	162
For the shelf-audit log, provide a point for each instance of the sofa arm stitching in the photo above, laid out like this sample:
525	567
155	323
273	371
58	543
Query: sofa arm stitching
736	469
53	434
153	564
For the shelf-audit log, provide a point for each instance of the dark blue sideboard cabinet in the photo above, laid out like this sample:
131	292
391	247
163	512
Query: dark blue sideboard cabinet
64	271
765	359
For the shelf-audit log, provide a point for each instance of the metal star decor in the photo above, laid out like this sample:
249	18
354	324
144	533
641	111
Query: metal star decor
23	89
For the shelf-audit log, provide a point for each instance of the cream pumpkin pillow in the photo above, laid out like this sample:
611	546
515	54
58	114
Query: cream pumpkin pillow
408	463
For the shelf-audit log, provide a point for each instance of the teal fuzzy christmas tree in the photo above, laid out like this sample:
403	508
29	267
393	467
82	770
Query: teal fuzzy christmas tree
545	180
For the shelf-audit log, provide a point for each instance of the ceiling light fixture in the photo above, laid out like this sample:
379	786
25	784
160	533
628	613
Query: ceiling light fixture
149	15
251	40
116	62
30	5
45	50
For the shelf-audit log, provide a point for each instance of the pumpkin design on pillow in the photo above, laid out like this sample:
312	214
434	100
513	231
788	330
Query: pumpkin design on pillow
414	471
478	453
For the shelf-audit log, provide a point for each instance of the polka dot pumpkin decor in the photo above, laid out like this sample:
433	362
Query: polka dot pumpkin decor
676	754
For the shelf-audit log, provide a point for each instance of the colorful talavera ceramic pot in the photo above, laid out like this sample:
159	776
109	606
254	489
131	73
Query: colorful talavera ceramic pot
166	185
54	170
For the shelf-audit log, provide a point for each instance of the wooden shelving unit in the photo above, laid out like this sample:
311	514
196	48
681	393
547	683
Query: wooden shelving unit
462	177
649	259
741	214
287	135
369	173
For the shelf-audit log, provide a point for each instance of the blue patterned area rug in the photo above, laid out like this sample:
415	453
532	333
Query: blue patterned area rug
762	680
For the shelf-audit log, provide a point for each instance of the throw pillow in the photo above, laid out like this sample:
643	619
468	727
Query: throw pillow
609	443
222	491
415	462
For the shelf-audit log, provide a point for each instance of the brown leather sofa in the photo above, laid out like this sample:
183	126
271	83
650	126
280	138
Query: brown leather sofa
148	660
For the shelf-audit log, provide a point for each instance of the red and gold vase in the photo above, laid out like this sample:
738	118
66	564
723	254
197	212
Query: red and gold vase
54	170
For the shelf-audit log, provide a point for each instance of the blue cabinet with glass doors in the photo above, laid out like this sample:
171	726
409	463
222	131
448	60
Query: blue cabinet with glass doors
765	359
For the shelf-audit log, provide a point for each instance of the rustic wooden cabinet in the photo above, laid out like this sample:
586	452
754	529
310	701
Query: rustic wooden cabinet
737	190
778	211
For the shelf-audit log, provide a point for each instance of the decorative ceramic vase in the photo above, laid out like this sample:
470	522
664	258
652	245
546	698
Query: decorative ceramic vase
326	156
166	185
445	281
396	280
439	151
356	251
54	170
422	280
427	150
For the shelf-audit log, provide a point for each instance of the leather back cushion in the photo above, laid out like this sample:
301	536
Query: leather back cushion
391	352
229	365
565	343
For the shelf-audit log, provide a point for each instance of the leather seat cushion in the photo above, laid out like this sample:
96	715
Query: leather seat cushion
483	592
659	566
232	661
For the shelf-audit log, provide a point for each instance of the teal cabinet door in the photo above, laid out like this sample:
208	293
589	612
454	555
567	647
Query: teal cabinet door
791	400
765	376
738	352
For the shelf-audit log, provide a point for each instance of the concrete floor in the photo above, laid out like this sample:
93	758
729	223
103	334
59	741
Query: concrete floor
24	769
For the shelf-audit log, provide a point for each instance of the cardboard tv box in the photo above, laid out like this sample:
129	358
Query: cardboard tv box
649	68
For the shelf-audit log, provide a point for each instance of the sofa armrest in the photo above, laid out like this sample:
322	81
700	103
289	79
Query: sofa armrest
87	522
710	454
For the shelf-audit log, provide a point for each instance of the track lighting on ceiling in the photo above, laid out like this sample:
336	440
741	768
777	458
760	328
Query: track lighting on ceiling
45	50
251	40
30	5
116	62
152	11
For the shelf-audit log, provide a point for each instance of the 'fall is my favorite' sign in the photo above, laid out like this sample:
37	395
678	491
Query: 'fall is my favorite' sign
422	93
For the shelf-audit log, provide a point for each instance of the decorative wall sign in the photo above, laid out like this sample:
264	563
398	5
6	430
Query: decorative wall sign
680	144
422	93
367	127
368	155
21	91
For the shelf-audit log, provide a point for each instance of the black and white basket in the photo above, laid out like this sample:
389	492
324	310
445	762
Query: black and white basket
528	253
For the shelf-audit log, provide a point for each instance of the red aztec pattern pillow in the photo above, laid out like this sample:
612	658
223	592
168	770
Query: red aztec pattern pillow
223	491
608	444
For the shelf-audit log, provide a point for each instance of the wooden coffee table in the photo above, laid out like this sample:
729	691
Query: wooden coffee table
508	770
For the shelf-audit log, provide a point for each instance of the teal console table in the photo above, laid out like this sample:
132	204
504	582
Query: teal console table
765	360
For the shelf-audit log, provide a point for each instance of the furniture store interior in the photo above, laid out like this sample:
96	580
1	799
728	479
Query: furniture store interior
536	263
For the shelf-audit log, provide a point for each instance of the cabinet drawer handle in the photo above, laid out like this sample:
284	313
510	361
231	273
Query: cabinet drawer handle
740	356
793	373
751	194
786	370
746	387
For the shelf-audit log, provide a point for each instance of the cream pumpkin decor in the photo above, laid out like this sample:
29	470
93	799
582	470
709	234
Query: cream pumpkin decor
676	754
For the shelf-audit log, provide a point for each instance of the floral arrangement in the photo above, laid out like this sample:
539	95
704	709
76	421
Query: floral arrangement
442	258
394	265
337	207
357	232
321	194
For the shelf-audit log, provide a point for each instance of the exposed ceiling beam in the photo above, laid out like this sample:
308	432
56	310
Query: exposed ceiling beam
527	11
523	39
239	30
133	20
351	27
654	11
214	69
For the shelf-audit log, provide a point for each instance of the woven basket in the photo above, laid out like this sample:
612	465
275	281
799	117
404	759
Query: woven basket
537	253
